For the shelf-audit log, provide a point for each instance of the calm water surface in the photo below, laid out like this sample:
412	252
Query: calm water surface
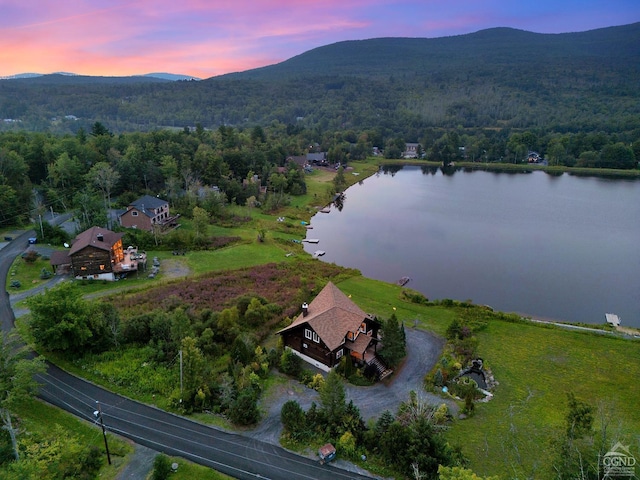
560	247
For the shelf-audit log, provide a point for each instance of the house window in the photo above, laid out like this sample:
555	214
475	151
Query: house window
307	334
101	267
316	338
134	214
339	353
363	327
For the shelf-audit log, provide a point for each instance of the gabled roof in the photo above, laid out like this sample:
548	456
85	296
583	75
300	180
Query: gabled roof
148	202
91	238
331	315
59	257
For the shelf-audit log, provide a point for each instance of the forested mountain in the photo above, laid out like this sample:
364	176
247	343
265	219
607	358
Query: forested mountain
496	78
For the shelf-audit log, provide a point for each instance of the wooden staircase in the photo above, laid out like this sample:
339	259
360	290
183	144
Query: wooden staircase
381	368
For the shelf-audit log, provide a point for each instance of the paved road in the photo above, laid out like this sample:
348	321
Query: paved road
238	456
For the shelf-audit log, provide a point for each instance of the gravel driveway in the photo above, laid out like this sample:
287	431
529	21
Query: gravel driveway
423	349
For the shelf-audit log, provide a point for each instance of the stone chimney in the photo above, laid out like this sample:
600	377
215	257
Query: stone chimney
305	309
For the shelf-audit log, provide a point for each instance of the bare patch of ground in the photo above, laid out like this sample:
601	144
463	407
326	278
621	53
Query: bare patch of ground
174	268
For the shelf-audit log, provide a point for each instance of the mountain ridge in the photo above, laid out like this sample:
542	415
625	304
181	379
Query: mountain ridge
158	75
497	78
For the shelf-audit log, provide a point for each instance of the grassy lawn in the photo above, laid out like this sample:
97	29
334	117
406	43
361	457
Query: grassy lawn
28	274
536	367
240	256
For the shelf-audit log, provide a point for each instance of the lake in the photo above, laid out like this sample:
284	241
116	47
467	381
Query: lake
547	246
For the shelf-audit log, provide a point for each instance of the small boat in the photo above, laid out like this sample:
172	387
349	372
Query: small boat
318	253
612	319
326	210
403	281
311	240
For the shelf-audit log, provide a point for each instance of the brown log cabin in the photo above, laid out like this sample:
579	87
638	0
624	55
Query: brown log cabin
97	253
330	327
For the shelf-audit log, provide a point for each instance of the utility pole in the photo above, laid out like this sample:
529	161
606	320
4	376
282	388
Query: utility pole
41	229
180	376
98	415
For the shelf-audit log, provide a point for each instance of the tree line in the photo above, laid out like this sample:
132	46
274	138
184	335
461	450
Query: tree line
92	171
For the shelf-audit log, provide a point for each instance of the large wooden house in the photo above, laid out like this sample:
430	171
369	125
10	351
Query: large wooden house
147	212
330	327
98	254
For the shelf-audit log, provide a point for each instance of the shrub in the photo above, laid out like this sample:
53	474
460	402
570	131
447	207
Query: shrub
161	468
244	409
316	382
30	256
290	363
347	445
293	419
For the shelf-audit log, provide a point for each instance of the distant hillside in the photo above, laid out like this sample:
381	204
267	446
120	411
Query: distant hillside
496	78
495	47
170	76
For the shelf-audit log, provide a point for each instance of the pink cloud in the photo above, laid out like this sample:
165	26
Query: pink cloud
205	38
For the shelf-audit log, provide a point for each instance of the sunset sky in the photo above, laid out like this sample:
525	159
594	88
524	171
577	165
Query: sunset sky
204	38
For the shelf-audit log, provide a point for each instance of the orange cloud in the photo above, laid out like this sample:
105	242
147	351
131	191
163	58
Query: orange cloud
205	38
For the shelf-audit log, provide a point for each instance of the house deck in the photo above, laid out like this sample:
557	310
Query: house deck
132	261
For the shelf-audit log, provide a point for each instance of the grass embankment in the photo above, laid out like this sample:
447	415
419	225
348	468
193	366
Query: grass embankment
44	423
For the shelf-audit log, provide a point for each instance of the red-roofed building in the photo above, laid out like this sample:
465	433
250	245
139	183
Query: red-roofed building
330	327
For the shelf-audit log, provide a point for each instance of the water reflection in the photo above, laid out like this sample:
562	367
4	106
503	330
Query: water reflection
391	169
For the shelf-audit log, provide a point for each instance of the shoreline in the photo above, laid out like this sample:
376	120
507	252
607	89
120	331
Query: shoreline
622	331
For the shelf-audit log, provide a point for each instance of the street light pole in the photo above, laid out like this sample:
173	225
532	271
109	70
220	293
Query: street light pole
98	415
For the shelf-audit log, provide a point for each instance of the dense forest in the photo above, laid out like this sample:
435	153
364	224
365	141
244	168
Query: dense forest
496	78
491	96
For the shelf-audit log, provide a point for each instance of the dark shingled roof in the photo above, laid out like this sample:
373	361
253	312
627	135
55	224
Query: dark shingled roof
331	315
148	202
60	257
90	238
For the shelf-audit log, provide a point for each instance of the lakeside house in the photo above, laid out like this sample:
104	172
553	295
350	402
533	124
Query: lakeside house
332	326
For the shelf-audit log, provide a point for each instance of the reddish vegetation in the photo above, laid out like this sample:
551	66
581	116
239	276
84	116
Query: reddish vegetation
286	285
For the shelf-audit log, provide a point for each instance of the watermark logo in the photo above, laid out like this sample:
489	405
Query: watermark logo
619	463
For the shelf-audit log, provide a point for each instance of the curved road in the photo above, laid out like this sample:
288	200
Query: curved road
235	455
